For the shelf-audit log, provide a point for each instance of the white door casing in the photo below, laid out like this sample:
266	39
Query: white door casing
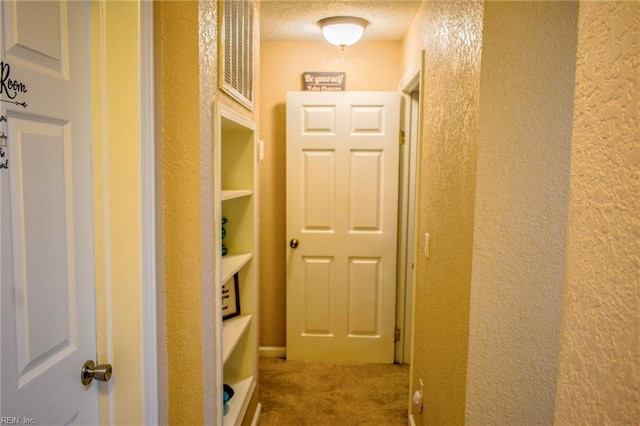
46	252
342	201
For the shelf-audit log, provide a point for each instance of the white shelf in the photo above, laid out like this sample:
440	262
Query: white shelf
232	263
230	194
232	331
242	391
236	183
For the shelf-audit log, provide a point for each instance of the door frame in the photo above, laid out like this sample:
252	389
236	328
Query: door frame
410	84
149	372
147	356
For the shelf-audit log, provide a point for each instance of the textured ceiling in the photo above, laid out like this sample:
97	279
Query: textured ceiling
293	20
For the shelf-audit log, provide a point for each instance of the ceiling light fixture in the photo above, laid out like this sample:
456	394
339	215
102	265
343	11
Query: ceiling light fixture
342	30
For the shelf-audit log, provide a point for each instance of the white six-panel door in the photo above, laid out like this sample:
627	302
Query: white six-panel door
46	252
342	200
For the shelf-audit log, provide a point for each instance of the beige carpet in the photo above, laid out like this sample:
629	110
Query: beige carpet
298	393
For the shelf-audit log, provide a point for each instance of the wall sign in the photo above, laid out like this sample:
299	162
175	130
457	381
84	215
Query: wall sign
9	88
4	162
324	81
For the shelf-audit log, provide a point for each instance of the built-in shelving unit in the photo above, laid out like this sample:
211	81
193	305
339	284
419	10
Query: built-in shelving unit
236	194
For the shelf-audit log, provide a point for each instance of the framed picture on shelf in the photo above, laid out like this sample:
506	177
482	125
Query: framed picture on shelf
231	298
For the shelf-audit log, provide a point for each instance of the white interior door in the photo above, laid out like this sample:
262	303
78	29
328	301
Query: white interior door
342	201
46	251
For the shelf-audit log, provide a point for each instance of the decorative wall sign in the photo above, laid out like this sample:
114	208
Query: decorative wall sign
9	88
324	81
4	162
231	298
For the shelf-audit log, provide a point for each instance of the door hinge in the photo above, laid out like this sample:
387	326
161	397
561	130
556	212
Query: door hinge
401	137
397	335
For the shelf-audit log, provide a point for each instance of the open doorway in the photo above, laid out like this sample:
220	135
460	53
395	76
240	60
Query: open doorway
410	119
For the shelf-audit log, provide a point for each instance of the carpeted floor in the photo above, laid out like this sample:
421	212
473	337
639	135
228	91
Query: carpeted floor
299	393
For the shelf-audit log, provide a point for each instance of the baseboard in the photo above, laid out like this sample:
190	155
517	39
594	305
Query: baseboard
256	415
412	421
273	351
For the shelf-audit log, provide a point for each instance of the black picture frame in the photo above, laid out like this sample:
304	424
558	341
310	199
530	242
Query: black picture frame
231	298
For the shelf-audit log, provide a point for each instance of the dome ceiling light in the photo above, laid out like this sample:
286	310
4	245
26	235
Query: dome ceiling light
342	30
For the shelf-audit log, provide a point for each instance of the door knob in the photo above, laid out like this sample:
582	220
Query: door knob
90	371
293	243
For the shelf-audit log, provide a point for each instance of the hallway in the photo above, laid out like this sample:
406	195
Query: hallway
302	393
522	301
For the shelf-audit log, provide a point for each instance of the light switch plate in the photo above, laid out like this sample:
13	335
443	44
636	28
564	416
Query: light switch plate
426	245
260	150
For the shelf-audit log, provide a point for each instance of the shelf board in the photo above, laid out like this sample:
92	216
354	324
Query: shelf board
230	194
242	391
232	331
232	263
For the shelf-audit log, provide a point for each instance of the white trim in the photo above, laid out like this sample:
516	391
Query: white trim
273	351
412	421
409	83
256	415
108	287
402	260
149	355
412	239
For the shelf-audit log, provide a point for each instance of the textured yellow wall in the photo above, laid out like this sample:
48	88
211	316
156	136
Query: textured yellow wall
451	33
180	132
369	66
599	368
524	146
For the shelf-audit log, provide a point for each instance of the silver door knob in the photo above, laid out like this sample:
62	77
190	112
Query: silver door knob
90	371
293	243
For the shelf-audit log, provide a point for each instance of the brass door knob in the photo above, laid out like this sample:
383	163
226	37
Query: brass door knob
90	371
293	243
